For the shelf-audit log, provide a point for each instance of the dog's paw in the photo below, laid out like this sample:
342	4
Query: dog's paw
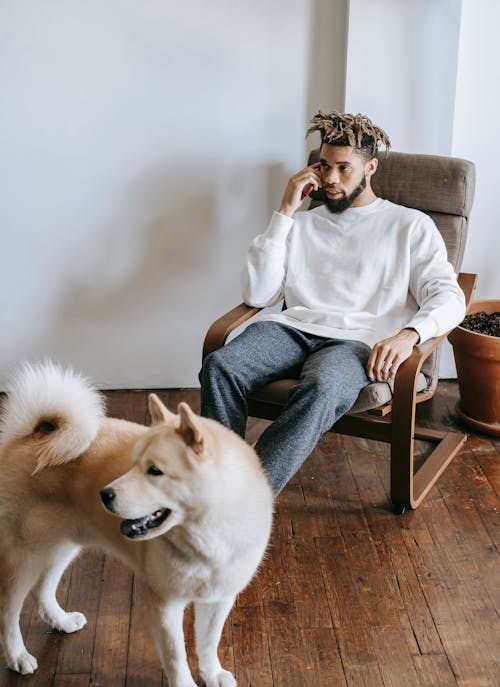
70	622
222	679
24	663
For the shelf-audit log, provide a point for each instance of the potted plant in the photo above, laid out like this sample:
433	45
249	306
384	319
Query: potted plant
476	347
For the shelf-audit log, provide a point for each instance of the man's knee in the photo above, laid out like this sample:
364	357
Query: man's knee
212	366
326	394
317	386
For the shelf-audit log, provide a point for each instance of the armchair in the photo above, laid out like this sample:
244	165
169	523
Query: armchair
443	187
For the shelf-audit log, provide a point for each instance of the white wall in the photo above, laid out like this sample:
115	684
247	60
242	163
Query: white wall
143	145
427	73
476	136
401	69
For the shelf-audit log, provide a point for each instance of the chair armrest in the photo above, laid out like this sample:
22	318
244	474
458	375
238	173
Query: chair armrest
405	380
221	328
408	371
467	283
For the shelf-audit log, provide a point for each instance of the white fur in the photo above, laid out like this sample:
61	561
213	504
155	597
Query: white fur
44	391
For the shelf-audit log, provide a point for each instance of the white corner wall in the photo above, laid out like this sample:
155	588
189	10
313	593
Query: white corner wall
402	69
476	136
426	71
143	146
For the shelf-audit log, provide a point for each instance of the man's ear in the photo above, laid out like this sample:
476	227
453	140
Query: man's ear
159	413
190	428
371	166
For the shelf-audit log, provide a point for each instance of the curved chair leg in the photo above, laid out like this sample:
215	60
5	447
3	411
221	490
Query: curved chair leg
402	461
408	487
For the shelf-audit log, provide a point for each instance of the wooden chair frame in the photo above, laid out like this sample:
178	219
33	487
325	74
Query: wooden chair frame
395	423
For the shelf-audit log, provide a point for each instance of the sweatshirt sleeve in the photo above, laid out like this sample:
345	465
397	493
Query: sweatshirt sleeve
263	276
433	284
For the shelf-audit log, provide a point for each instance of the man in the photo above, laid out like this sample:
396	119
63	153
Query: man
363	280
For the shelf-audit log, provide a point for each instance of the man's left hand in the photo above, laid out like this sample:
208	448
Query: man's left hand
387	355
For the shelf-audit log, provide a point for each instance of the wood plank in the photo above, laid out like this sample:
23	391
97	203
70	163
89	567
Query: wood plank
75	655
143	662
81	680
113	622
367	608
189	396
317	477
290	511
434	671
415	617
306	584
487	454
442	566
473	507
323	658
251	648
127	405
274	582
393	658
291	666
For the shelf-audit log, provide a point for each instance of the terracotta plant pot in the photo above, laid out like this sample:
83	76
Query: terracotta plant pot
477	357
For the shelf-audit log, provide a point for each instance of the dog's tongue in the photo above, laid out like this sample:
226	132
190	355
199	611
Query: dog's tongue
135	528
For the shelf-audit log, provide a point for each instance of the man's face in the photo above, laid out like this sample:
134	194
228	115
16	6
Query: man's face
344	174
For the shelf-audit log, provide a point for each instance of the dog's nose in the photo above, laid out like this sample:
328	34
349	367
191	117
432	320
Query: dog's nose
108	495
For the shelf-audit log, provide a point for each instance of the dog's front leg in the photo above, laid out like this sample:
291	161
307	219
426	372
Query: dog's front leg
167	624
50	610
209	621
13	591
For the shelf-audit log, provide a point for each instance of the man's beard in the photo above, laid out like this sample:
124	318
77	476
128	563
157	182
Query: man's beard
343	203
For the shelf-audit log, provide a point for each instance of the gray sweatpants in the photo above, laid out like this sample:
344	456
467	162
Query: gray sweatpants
331	373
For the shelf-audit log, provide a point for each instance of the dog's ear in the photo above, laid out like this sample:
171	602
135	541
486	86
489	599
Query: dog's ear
190	428
159	413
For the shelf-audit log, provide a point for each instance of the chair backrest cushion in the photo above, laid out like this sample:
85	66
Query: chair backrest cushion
442	187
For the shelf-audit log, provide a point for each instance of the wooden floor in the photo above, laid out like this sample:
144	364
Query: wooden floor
350	594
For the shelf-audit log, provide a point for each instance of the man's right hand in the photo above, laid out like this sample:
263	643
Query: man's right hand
299	186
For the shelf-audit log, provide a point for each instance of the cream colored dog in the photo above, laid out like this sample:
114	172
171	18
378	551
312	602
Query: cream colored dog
194	504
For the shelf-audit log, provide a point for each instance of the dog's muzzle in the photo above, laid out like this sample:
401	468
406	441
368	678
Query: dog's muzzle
139	526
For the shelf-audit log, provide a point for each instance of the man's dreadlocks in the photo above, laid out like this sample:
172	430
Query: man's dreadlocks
356	131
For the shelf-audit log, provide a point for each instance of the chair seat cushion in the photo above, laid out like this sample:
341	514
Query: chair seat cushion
379	393
371	396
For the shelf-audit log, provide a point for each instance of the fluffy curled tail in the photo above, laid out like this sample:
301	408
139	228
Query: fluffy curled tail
53	408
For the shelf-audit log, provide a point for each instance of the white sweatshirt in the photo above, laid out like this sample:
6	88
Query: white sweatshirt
363	274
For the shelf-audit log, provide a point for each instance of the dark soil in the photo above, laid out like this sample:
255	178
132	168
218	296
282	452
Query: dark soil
483	323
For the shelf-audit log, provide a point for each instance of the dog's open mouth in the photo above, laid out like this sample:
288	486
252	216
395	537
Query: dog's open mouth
138	527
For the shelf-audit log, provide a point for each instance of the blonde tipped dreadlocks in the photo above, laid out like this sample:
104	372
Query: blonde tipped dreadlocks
351	130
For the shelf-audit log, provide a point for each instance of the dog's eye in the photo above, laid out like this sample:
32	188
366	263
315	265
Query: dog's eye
154	471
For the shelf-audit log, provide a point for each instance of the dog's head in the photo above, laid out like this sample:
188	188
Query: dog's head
174	474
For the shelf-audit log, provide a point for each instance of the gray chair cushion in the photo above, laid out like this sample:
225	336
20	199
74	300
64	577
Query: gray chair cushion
371	396
379	393
430	183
